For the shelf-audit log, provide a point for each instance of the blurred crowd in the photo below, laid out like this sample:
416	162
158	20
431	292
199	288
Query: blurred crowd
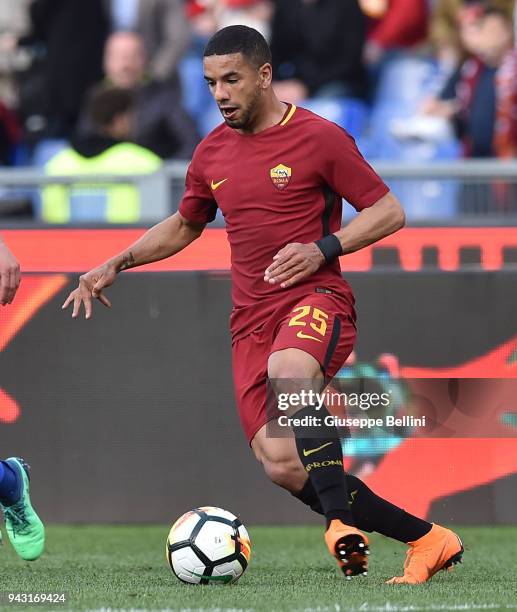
410	79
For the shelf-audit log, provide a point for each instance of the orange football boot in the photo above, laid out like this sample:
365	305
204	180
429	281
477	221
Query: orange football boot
349	546
439	549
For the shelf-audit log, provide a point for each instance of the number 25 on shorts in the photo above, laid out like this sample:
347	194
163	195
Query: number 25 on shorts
318	322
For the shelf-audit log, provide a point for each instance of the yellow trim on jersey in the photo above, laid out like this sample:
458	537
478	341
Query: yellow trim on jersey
289	115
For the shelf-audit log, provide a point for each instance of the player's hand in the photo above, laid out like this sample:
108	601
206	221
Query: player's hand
9	275
293	263
90	287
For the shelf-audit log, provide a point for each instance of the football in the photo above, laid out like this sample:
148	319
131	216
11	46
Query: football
208	546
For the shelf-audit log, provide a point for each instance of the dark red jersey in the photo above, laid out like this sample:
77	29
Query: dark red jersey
282	185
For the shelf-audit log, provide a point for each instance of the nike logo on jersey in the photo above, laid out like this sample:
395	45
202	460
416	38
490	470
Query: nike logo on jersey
301	335
306	453
214	185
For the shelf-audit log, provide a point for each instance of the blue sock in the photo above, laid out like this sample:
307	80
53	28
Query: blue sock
9	485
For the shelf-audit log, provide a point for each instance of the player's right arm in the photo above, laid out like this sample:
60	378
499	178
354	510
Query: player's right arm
161	241
9	275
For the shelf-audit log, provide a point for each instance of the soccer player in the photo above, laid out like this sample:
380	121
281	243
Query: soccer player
278	174
24	528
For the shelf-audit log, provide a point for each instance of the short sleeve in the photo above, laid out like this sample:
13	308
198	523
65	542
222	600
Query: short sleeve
346	171
197	204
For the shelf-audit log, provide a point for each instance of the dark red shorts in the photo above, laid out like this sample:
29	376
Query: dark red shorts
321	324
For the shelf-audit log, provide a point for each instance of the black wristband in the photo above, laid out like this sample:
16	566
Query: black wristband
330	247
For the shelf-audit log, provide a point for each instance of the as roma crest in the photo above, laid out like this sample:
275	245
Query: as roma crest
280	175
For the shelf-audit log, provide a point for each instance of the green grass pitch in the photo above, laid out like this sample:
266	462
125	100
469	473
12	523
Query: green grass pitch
123	567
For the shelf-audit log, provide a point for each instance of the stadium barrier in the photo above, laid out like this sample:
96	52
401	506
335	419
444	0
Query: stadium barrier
411	249
140	397
456	192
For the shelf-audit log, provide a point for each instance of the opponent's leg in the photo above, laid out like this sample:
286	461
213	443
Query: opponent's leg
318	446
24	527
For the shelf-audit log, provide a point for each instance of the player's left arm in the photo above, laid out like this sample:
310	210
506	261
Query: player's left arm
296	261
374	223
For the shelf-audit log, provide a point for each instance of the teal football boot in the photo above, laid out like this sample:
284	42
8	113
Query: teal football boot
24	527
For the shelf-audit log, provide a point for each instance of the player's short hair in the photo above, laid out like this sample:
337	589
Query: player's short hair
240	39
106	102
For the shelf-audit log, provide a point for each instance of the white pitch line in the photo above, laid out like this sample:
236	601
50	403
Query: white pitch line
388	607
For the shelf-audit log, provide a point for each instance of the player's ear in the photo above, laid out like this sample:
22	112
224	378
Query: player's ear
265	75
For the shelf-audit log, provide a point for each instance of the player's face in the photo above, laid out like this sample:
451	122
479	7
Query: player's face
237	87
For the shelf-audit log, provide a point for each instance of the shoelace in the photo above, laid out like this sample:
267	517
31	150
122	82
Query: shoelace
17	517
